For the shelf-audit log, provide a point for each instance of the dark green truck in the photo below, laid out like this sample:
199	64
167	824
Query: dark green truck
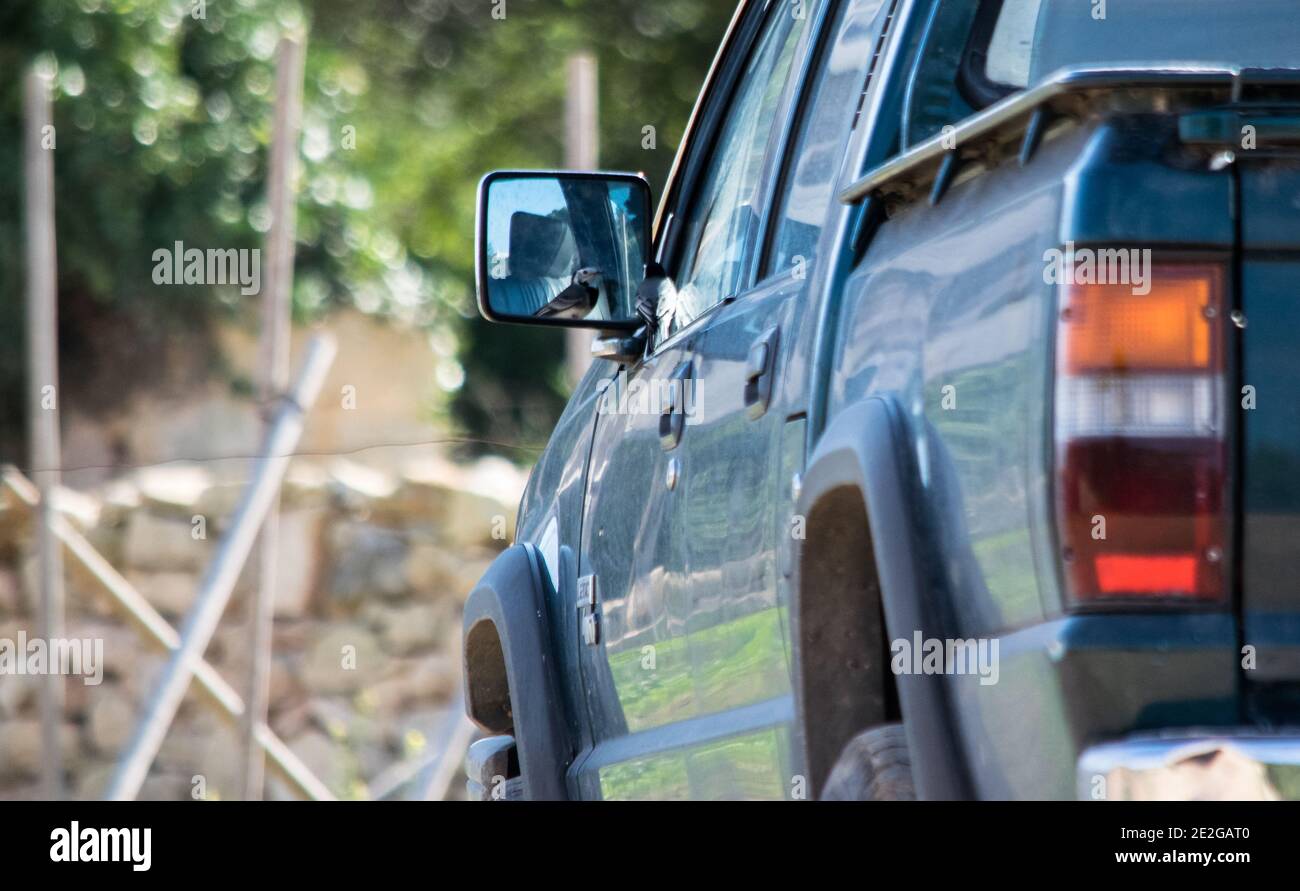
942	439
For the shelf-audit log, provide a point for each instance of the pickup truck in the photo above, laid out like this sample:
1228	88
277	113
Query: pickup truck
941	440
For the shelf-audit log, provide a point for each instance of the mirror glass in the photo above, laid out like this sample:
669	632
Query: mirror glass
563	247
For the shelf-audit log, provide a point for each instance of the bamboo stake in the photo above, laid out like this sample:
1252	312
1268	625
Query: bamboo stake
581	152
43	410
276	320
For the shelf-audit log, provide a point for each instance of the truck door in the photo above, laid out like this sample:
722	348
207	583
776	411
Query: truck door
749	444
645	671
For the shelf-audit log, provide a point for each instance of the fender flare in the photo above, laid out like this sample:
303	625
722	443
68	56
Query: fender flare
506	621
865	446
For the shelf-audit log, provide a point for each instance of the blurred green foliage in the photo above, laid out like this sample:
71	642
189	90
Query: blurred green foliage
162	110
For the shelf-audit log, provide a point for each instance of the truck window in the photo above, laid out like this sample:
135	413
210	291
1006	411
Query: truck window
814	155
1033	38
1012	43
722	224
936	97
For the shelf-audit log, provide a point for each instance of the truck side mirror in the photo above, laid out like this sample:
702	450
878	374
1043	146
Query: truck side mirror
564	249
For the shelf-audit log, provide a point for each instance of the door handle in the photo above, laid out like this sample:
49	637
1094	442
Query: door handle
759	373
672	410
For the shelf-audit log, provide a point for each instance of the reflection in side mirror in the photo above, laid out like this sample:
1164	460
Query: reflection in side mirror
562	248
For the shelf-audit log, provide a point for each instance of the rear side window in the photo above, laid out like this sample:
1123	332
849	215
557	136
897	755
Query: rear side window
1033	38
813	159
724	218
1012	44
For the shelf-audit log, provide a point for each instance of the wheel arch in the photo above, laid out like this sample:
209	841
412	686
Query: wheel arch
838	621
509	675
859	482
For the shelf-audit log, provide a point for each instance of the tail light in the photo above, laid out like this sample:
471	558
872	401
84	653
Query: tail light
1139	438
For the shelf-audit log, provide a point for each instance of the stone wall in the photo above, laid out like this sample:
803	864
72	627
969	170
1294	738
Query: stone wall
374	566
382	389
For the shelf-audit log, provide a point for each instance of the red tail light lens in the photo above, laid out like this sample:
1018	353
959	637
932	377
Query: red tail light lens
1139	438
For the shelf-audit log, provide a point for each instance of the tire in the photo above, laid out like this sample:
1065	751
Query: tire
875	766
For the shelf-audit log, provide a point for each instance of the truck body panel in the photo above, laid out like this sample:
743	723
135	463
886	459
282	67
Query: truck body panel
926	292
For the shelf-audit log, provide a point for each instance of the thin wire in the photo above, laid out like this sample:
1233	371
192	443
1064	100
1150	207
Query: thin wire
296	454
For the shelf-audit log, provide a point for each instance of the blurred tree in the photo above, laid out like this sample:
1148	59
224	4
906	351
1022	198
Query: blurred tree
162	112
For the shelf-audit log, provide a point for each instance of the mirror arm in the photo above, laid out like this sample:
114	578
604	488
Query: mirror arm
620	347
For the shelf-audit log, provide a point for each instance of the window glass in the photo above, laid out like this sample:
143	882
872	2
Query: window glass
813	159
723	221
1012	44
1034	38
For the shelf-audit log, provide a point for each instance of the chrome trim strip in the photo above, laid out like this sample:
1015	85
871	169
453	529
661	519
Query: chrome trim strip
1071	80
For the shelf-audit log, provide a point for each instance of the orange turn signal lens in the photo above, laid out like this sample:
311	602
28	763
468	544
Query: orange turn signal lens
1166	324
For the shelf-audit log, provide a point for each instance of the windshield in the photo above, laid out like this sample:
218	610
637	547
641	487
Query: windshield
1033	38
